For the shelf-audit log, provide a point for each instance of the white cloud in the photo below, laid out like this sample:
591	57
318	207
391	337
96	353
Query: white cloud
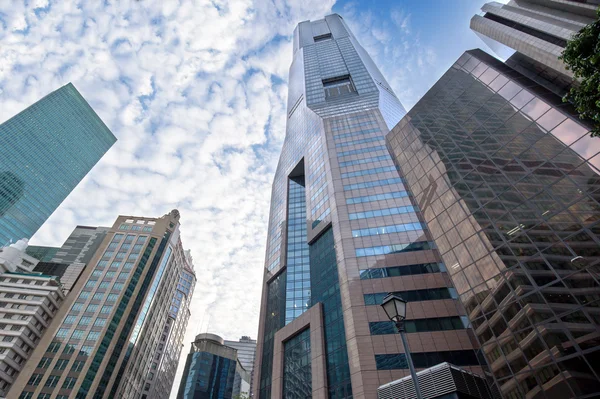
195	92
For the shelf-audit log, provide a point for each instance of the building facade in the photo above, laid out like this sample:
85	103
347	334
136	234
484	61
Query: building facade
28	303
210	369
106	335
508	180
45	151
531	35
68	261
159	380
343	232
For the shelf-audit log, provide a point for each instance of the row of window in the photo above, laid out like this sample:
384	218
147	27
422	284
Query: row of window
426	359
356	142
345	126
381	212
77	334
430	294
359	133
396	228
408	270
135	227
394	248
376	197
364	160
374	183
362	151
366	172
420	325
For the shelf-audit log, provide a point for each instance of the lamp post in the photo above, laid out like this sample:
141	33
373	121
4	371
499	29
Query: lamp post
395	308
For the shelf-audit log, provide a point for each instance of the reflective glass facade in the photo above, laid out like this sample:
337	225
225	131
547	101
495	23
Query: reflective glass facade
337	193
45	151
508	181
297	373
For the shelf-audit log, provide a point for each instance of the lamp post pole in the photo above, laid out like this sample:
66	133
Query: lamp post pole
411	367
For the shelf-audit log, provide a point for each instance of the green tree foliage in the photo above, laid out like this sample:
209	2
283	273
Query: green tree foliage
582	56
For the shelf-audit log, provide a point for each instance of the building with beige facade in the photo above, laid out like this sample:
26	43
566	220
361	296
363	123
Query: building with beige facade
104	341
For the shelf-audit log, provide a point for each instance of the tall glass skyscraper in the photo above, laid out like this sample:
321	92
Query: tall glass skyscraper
45	151
508	179
343	232
117	334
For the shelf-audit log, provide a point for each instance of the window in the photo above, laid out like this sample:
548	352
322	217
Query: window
77	334
115	265
69	383
53	347
128	266
337	87
69	349
96	273
112	297
26	395
61	364
320	38
91	283
77	307
93	336
77	365
117	287
98	296
123	276
414	295
394	249
35	380
91	308
70	319
375	183
104	284
85	320
62	332
106	309
86	350
99	322
44	363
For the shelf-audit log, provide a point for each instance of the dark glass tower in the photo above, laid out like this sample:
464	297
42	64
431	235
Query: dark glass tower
343	232
508	181
45	151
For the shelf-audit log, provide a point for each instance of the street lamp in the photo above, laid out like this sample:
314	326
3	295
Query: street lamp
395	308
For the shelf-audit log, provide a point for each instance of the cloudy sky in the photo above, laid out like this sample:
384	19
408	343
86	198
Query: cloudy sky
195	92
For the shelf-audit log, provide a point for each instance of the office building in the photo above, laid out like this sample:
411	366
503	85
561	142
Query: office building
532	34
68	261
507	178
104	339
343	232
45	151
164	364
210	370
28	303
246	350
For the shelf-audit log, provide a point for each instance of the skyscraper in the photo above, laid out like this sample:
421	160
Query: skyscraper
343	232
508	180
45	151
104	341
531	35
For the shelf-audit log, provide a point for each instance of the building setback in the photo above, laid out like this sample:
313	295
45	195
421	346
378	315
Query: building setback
531	35
28	303
343	232
68	261
508	180
104	339
45	151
